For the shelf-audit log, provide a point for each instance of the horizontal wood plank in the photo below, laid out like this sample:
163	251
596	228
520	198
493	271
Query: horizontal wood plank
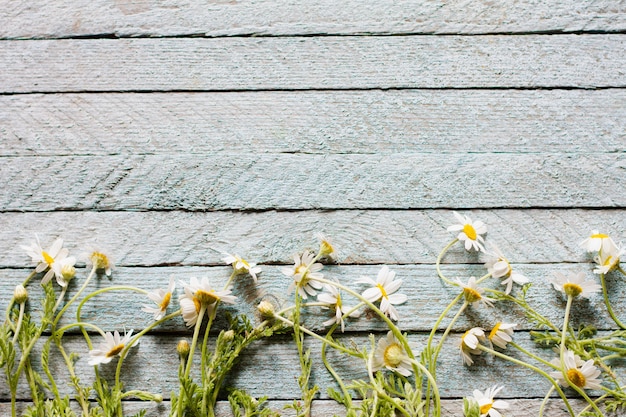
22	19
259	182
361	237
337	122
532	61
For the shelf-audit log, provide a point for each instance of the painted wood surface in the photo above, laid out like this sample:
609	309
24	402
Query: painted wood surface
66	18
302	63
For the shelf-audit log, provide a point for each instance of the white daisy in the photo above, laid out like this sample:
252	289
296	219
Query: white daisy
190	308
582	374
198	293
499	267
608	260
241	266
574	285
474	294
161	298
489	406
501	334
45	259
598	242
332	299
383	289
469	344
390	354
304	273
469	232
327	250
100	260
112	345
64	270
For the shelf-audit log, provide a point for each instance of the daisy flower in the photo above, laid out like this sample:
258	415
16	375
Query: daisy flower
598	242
45	259
489	406
161	298
574	285
190	308
499	267
64	270
469	344
501	334
305	273
582	374
473	294
199	293
383	289
113	345
332	299
608	260
327	250
241	266
100	261
390	354
469	232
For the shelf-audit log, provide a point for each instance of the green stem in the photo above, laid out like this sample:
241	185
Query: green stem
379	391
194	341
440	257
206	373
435	388
18	326
605	294
61	296
545	401
74	298
12	302
535	357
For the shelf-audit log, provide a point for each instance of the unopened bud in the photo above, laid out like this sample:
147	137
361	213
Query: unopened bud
68	272
471	408
20	294
228	335
183	349
266	309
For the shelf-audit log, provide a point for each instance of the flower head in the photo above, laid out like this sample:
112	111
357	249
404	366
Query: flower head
64	270
390	354
384	289
501	334
489	406
112	345
580	373
499	267
469	232
327	250
45	259
200	294
99	260
474	294
469	344
574	285
608	260
332	299
598	242
161	298
304	273
241	266
20	295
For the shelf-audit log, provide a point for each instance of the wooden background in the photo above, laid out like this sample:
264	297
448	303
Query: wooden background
168	131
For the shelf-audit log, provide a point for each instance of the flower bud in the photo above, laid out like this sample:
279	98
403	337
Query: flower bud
471	408
20	294
183	349
266	309
228	335
68	272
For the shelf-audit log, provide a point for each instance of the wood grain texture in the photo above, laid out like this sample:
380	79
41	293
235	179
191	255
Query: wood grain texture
258	182
427	296
361	237
22	19
337	122
532	61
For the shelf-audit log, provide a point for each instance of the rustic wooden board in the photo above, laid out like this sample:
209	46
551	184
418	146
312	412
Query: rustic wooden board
23	19
321	122
532	61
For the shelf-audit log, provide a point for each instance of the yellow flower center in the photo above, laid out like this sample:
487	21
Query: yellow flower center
608	261
599	236
338	303
206	297
100	260
494	330
382	291
47	258
576	377
302	270
245	263
326	248
117	349
485	408
166	301
471	295
393	355
469	231
572	289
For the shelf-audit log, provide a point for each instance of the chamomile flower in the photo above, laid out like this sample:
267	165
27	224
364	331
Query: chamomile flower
161	298
469	344
384	289
608	260
45	259
598	242
112	345
583	374
327	250
190	308
501	334
241	266
499	267
574	285
469	232
198	294
390	354
332	299
99	260
474	294
305	273
64	270
489	406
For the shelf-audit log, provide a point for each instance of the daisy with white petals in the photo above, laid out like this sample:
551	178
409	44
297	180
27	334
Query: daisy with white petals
332	299
608	260
598	242
199	294
45	259
161	298
327	250
575	285
99	260
501	334
489	406
499	267
112	345
583	374
304	273
474	294
384	289
469	344
241	266
64	270
390	354
469	232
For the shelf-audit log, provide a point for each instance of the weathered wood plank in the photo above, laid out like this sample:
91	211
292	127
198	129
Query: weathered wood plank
22	19
376	122
428	296
258	182
361	237
532	61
